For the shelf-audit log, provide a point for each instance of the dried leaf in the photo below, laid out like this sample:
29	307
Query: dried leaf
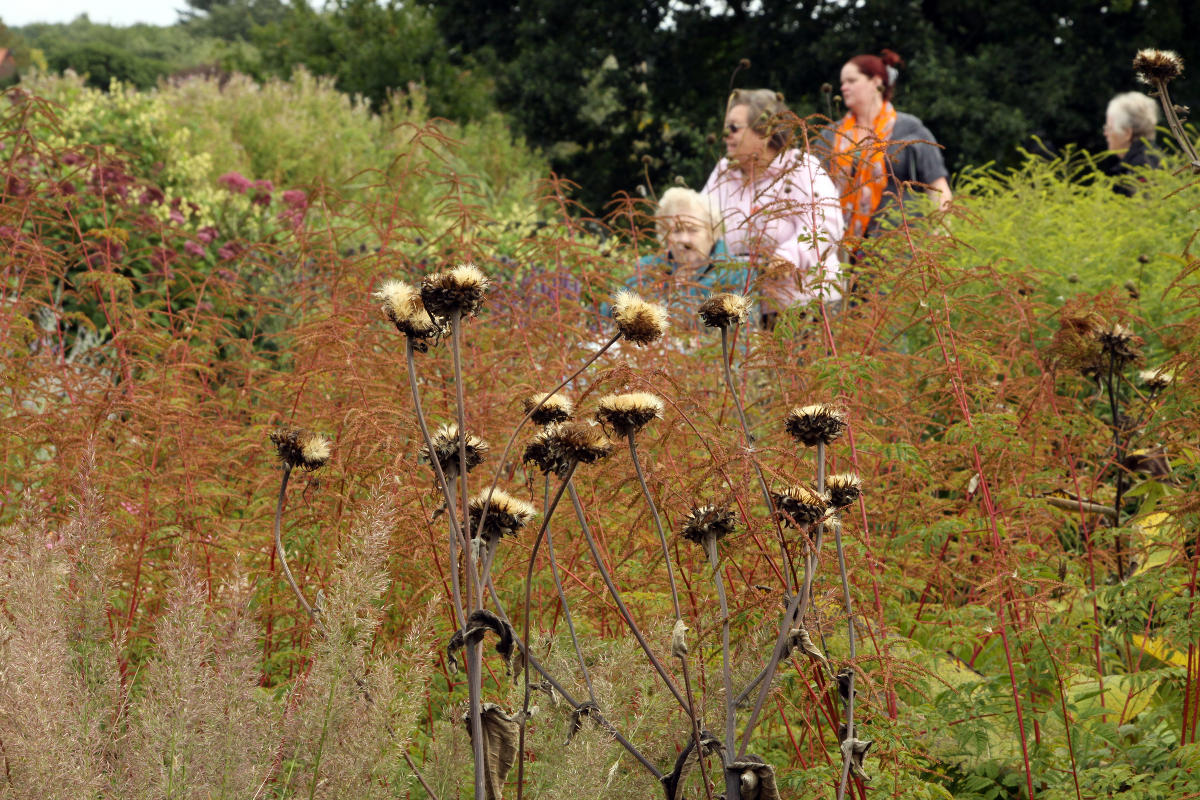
501	733
679	646
757	779
800	640
480	622
686	762
585	709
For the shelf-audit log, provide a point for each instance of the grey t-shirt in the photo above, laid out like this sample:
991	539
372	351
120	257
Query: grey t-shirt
913	157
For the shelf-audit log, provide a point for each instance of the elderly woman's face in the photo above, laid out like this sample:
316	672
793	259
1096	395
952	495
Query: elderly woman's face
690	239
1118	138
741	143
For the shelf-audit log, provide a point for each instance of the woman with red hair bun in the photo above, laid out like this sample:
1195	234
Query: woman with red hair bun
879	152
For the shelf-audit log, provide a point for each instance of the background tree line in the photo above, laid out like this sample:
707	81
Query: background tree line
632	91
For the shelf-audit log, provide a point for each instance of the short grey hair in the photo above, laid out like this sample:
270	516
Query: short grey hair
768	114
1136	113
678	201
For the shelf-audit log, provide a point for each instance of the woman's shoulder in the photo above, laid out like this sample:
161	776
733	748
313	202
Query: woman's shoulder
910	126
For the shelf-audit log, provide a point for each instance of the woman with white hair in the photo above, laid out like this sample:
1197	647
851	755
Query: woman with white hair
1129	132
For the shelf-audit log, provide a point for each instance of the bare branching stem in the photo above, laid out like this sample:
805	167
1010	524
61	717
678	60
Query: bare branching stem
769	673
694	715
841	555
616	595
287	572
662	537
562	598
1176	125
762	479
710	545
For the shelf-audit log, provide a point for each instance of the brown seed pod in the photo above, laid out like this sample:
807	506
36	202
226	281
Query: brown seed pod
445	448
704	521
506	515
302	449
555	408
844	489
638	321
800	505
628	413
816	424
461	288
723	310
1157	65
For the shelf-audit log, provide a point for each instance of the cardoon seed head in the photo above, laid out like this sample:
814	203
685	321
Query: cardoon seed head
506	515
843	488
800	505
542	453
581	442
1157	65
445	449
554	408
1156	379
816	424
403	307
638	321
628	413
300	448
704	521
461	288
1119	344
724	310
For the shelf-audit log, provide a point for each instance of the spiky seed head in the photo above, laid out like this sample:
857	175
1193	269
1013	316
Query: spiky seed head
445	449
844	489
554	408
1157	65
704	521
800	505
628	413
506	515
1156	379
581	442
302	449
460	288
403	307
542	453
639	321
820	423
1119	344
724	310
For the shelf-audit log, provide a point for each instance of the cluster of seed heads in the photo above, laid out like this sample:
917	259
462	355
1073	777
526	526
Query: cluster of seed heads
301	449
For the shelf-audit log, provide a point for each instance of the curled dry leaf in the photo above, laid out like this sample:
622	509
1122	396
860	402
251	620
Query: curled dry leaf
480	622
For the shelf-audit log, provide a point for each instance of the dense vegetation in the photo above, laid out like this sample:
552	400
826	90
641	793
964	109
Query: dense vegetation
184	270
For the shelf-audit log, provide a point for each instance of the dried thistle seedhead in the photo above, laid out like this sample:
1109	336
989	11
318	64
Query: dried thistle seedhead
542	453
445	449
1157	65
800	505
506	515
639	321
816	424
403	307
554	408
461	288
1156	379
628	413
844	489
724	310
558	446
704	521
1120	345
302	449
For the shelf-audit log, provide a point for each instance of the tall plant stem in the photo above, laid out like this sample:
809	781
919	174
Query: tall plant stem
562	597
695	718
553	504
841	555
513	438
710	545
287	572
616	595
762	480
474	598
662	537
768	674
1114	407
1176	125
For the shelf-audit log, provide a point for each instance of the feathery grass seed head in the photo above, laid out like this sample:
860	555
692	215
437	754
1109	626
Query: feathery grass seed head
723	310
506	515
816	424
460	288
704	521
1157	65
445	449
300	448
403	307
800	505
639	321
555	408
628	413
844	489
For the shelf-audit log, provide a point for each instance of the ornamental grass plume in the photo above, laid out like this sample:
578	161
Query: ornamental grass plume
460	289
844	489
544	409
800	505
705	521
1157	65
445	448
815	424
638	321
723	310
627	414
506	515
302	449
402	306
